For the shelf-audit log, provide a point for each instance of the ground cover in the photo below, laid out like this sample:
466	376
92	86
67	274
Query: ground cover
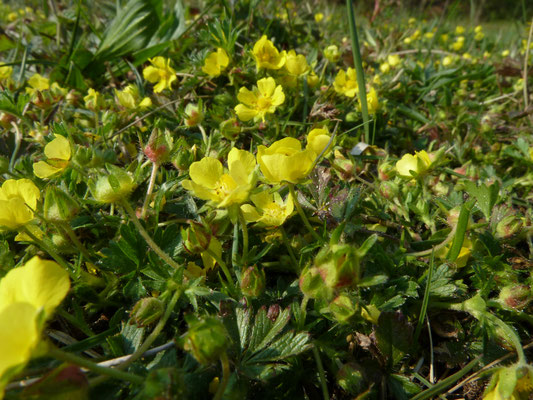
265	199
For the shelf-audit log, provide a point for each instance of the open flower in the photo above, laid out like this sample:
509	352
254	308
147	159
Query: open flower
222	189
28	296
161	73
285	160
216	62
18	199
130	98
295	66
413	165
270	210
266	55
346	82
262	100
318	139
37	83
372	101
58	153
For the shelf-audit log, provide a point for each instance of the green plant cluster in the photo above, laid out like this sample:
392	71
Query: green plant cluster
261	199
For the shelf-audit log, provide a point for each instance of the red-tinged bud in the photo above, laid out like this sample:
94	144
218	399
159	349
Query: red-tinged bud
515	296
147	311
253	281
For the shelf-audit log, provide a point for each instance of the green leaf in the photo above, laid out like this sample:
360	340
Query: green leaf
288	345
394	336
460	231
264	330
486	196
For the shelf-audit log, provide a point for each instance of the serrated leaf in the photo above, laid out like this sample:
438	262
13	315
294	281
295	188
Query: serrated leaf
264	330
286	346
486	196
243	324
393	336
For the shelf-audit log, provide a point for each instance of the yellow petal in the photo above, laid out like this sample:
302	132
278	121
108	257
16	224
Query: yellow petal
14	213
247	97
266	86
317	140
278	97
44	170
244	113
18	337
199	191
151	74
58	149
222	57
407	164
250	213
41	283
241	165
21	188
206	172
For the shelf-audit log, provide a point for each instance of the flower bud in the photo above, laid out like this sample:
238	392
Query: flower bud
515	296
253	281
196	238
508	226
342	308
158	147
113	187
230	129
58	205
389	189
350	378
147	311
343	260
332	53
206	339
193	115
312	284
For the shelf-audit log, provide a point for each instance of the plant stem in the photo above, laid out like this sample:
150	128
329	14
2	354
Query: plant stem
164	256
225	269
225	376
244	239
288	246
72	235
18	141
155	333
321	374
60	260
151	184
82	362
302	214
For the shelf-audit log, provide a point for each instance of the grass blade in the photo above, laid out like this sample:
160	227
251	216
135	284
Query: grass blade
460	232
358	63
425	302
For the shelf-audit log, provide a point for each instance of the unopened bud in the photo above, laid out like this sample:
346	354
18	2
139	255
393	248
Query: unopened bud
230	129
253	281
113	187
147	311
58	205
342	308
206	339
193	115
196	238
515	296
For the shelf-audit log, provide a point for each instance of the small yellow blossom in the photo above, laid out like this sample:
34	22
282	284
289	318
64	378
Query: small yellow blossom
506	53
18	199
429	35
448	60
394	60
346	82
332	53
215	63
160	73
223	189
266	55
459	30
459	43
410	166
93	100
270	210
37	82
285	161
384	67
318	139
261	100
296	64
5	72
58	153
319	17
478	33
372	101
130	98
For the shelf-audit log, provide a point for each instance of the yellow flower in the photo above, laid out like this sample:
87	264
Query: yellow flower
216	62
459	43
37	82
262	100
332	53
58	153
129	98
372	101
266	55
296	64
448	60
285	161
160	72
210	182
505	53
318	139
413	165
464	253
5	72
270	210
319	17
385	67
459	29
394	60
18	199
93	100
514	382
28	295
346	82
